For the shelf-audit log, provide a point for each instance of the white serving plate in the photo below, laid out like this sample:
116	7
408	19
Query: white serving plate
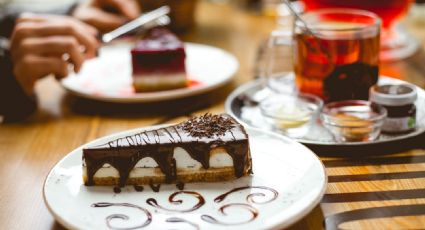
289	168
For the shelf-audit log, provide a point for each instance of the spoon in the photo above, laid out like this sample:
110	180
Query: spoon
307	28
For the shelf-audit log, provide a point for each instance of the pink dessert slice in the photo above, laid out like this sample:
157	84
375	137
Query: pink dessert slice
159	62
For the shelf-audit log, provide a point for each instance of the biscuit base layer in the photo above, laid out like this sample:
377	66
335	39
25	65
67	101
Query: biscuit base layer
183	176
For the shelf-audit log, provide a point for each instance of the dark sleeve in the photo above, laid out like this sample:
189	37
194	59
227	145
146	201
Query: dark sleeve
15	104
7	23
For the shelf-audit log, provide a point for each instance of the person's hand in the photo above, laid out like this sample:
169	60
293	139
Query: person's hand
107	15
47	44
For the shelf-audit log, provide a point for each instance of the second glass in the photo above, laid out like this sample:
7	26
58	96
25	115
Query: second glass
336	56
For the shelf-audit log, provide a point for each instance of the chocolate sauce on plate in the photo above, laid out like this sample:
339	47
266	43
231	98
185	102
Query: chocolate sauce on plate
181	220
250	197
122	216
138	188
180	185
117	189
201	201
173	199
251	209
155	187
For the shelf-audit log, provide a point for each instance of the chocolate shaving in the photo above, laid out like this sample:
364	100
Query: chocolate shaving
208	125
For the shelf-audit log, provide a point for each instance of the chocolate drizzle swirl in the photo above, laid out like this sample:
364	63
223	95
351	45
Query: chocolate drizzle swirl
198	136
172	199
251	209
250	197
201	201
181	220
122	216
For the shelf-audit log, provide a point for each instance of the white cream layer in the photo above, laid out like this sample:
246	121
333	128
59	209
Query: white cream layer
159	79
219	158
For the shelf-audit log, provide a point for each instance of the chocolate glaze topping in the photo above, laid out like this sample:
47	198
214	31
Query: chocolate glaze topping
117	190
138	188
180	185
197	136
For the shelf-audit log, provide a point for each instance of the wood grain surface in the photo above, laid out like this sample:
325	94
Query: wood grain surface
382	192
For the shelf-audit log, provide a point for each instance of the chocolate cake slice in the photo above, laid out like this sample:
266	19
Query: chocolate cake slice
203	149
158	62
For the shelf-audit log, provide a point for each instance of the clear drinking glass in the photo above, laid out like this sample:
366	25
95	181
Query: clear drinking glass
277	66
336	56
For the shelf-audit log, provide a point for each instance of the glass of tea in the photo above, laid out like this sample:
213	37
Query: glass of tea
336	53
396	43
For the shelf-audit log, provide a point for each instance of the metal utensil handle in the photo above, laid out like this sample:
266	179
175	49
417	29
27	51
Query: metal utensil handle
315	36
136	23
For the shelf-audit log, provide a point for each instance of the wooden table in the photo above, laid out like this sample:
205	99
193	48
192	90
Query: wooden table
381	192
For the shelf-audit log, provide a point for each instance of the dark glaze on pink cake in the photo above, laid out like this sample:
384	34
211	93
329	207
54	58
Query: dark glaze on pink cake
160	52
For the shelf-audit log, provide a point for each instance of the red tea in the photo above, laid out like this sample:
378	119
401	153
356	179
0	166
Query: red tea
336	65
388	10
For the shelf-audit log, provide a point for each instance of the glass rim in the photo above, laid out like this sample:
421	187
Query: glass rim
296	95
377	21
327	114
306	97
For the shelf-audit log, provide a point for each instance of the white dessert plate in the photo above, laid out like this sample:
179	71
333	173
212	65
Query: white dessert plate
288	182
109	76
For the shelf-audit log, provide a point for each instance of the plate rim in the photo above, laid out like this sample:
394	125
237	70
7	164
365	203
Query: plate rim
256	82
166	94
290	221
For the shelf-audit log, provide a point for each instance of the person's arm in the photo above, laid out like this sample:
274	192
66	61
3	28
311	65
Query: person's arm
38	46
38	51
15	103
